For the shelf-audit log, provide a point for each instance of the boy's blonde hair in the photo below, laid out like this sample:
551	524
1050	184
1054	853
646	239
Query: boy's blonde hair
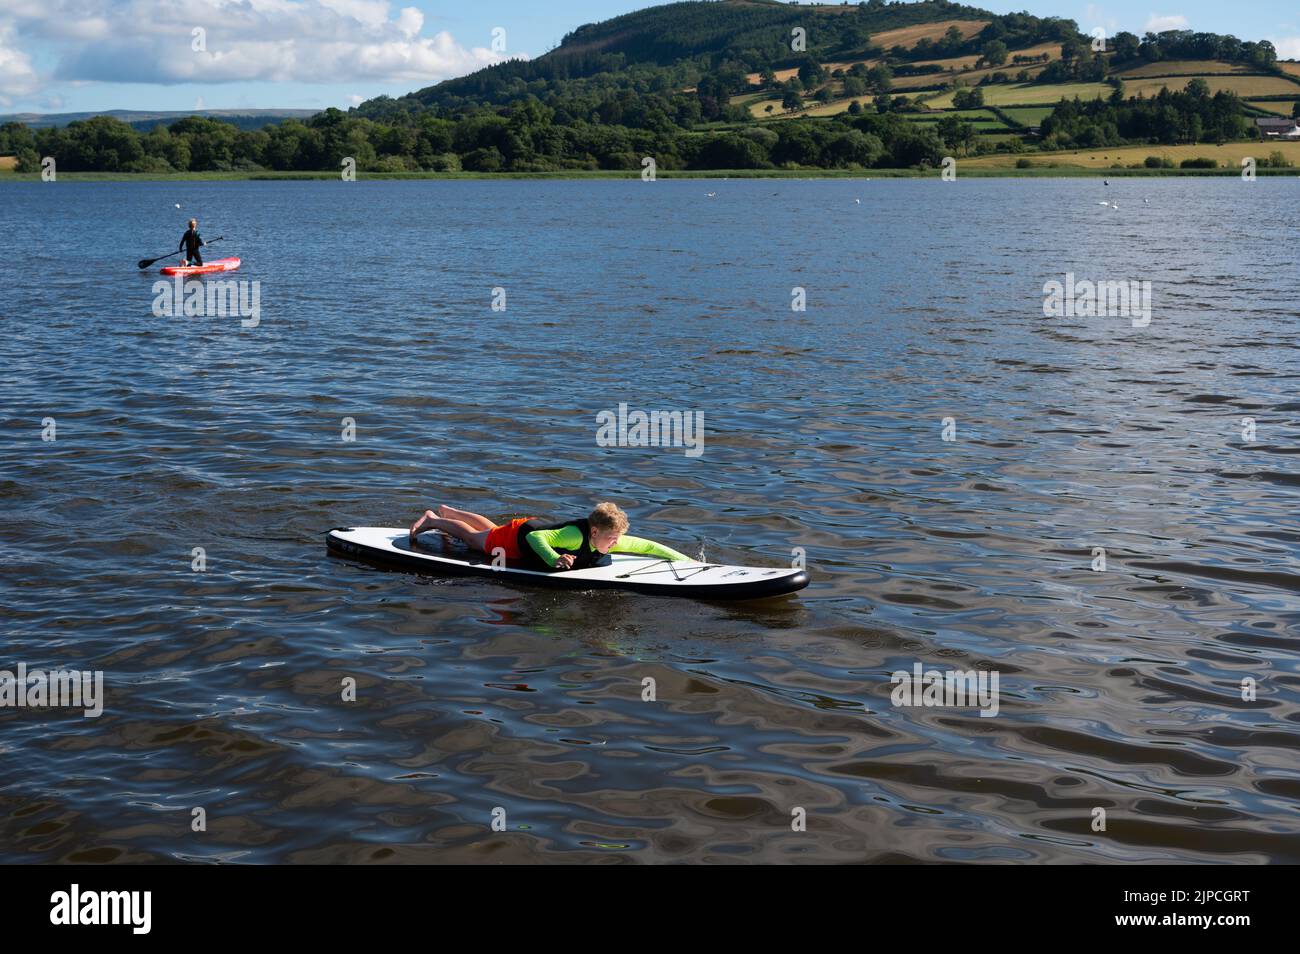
608	516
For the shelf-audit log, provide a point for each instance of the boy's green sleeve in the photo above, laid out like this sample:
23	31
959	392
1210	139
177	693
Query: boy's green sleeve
645	547
544	542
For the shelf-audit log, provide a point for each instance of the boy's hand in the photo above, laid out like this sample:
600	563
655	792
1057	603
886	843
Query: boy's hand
564	562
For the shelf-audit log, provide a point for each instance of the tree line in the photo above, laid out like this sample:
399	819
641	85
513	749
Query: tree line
1190	116
520	138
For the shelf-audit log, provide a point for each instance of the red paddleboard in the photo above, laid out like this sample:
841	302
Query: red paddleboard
220	265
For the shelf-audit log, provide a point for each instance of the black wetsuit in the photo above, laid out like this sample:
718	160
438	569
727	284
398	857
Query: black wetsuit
191	243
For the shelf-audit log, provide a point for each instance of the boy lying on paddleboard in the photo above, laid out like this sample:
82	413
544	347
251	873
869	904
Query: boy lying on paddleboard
569	545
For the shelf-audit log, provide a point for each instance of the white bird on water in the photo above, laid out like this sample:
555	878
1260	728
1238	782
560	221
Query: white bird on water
711	194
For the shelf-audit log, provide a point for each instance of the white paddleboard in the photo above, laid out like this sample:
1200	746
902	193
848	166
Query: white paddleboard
435	553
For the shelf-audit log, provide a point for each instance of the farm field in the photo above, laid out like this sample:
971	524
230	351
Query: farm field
1181	68
1028	103
833	108
983	120
1029	115
909	36
781	75
961	65
1243	86
8	163
968	114
1229	155
906	84
1282	107
758	108
1029	94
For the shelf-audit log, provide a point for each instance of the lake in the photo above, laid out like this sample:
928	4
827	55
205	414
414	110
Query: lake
1098	509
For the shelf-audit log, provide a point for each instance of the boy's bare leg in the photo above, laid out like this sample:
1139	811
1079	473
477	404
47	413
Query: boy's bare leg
475	520
456	528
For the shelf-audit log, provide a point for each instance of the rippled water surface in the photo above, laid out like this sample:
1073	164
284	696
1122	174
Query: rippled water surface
1121	689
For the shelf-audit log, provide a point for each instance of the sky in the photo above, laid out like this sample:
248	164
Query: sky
91	55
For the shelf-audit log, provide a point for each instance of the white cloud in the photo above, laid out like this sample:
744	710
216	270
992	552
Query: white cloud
17	75
1288	47
1097	17
410	21
1160	22
305	41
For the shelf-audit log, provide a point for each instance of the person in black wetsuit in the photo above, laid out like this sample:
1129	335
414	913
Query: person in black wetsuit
191	243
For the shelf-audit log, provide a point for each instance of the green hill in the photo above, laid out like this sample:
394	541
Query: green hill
688	38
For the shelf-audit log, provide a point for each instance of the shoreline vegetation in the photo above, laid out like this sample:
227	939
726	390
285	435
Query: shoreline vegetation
1043	171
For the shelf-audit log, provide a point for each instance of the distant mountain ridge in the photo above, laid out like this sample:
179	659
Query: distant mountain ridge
145	119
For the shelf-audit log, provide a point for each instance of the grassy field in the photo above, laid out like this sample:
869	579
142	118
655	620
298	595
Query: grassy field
1180	68
8	163
758	108
1029	94
756	78
963	66
983	120
979	117
1229	155
1029	115
905	84
908	36
1243	86
959	113
1280	107
833	108
1290	66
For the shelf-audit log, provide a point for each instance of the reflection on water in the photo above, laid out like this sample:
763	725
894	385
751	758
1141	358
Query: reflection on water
1121	689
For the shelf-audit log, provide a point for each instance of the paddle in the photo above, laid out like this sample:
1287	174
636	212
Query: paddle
146	262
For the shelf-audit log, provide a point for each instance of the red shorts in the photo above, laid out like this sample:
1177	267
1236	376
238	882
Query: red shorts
506	536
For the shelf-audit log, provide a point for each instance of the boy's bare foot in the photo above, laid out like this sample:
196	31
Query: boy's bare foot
418	526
